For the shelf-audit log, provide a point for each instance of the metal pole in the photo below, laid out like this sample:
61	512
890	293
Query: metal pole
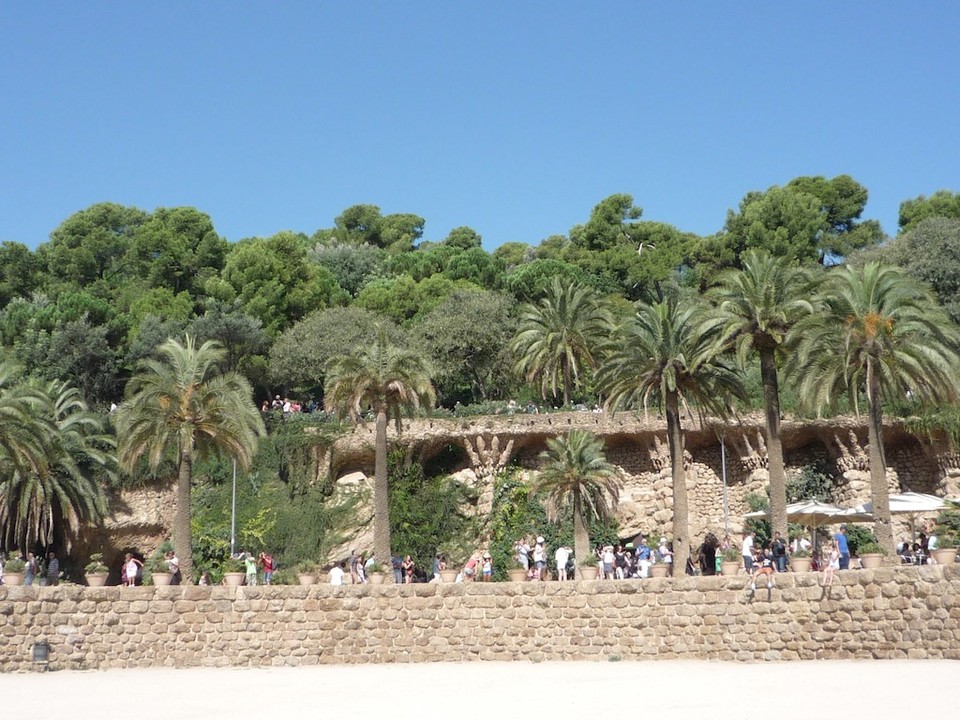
233	513
726	507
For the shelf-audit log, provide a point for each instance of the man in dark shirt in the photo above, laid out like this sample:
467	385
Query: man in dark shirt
779	550
53	568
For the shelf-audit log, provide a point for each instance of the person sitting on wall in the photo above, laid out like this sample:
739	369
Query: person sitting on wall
763	570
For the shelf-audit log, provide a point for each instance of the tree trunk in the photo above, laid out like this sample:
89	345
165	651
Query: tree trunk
771	405
681	543
581	539
381	505
567	382
879	490
182	541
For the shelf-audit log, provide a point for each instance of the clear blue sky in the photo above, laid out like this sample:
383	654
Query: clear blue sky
514	118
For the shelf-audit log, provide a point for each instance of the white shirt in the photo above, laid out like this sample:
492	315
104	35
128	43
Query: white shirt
336	575
538	555
563	555
747	546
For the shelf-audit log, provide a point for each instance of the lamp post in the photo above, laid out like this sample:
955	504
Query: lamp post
723	470
233	513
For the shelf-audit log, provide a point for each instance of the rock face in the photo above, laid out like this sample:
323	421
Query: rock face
716	472
886	613
138	519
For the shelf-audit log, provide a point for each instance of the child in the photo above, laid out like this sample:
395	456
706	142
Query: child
487	569
131	567
832	563
251	566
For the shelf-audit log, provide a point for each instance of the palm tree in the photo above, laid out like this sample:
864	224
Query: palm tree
388	380
753	310
180	407
26	432
664	358
876	332
574	472
66	492
556	339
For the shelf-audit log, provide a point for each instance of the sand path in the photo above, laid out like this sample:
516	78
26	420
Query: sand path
677	690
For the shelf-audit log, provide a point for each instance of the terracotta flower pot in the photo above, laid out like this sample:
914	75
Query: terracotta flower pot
234	579
801	564
306	579
945	556
13	578
517	575
660	570
97	579
869	561
376	578
588	572
729	567
162	579
448	576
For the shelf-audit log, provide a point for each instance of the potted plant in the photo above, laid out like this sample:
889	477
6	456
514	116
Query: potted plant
306	573
946	553
516	572
13	571
730	565
375	574
801	561
234	572
159	569
871	555
96	571
587	568
449	574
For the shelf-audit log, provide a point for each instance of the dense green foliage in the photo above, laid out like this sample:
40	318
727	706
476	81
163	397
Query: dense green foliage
426	514
524	322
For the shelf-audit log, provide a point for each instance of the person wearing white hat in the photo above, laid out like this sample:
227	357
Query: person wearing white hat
540	558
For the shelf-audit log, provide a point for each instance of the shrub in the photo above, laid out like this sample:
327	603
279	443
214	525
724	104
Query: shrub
96	565
871	548
14	565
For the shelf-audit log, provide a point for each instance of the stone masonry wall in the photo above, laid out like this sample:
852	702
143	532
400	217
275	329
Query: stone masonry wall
885	613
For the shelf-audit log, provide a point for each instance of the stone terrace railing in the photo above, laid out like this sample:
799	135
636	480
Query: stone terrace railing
885	613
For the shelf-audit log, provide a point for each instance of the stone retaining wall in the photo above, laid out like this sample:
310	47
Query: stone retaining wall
885	613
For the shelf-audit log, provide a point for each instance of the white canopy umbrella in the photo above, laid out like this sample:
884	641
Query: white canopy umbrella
908	503
814	513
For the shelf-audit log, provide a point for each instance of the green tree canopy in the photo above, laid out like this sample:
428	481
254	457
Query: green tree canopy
180	407
557	339
942	203
301	356
276	283
879	333
387	380
466	340
574	475
662	357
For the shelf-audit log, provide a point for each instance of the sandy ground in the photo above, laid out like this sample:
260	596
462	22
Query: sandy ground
667	690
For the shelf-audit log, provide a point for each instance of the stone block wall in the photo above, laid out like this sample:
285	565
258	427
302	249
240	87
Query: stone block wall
885	613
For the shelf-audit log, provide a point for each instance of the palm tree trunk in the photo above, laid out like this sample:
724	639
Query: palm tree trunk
381	505
567	382
771	405
879	491
182	542
581	539
681	543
